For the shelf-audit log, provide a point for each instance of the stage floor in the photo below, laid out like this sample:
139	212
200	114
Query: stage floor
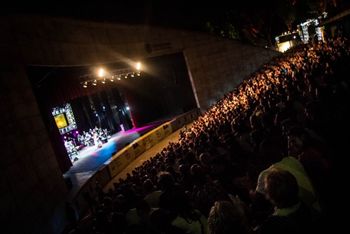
92	158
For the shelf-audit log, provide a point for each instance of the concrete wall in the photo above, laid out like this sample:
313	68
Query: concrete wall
31	182
215	64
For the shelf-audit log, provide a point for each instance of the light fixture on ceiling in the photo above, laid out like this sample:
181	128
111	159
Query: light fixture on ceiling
103	75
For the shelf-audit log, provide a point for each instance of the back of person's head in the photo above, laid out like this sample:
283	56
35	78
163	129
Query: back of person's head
142	208
297	139
148	186
196	170
271	150
161	222
165	180
227	217
204	158
281	188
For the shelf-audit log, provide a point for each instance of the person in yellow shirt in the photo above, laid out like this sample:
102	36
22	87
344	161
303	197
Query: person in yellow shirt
290	163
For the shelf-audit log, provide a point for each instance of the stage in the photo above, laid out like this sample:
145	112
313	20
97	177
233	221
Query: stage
91	158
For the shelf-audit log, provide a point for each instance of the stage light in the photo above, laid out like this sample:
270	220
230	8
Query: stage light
85	85
112	75
127	108
101	72
138	66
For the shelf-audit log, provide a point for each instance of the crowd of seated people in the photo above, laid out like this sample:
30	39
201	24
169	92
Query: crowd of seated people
260	160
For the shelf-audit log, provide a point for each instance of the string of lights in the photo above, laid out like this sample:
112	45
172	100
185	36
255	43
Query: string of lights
104	76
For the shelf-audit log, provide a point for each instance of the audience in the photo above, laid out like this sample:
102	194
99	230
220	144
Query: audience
228	217
290	214
286	117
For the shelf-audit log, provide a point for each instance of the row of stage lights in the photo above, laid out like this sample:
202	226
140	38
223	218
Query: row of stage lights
110	79
103	77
